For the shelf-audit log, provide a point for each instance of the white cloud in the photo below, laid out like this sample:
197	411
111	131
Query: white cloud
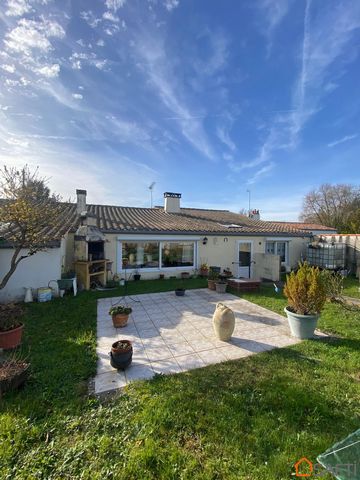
153	61
8	68
171	4
15	8
90	18
224	136
261	173
100	43
114	4
77	96
325	41
49	71
31	35
342	140
111	17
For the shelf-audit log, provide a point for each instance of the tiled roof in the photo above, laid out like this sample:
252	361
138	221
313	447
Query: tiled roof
306	226
151	220
116	219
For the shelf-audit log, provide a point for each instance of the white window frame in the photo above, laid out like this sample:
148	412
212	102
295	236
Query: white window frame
280	240
160	240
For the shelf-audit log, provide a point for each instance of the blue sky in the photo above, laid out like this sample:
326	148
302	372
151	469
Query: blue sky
207	98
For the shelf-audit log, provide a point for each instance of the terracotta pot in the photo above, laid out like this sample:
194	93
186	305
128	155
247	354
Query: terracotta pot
211	284
204	273
223	322
11	338
120	320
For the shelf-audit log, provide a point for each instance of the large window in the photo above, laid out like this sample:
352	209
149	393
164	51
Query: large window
140	255
177	254
277	248
169	254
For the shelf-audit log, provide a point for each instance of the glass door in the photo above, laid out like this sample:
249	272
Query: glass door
244	270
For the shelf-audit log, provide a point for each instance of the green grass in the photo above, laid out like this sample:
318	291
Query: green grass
246	419
351	287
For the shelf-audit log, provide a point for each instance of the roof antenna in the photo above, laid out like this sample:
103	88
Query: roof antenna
151	187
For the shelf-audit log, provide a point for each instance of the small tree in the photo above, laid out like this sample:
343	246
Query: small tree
29	215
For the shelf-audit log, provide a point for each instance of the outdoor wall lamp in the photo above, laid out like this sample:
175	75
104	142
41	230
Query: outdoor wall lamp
205	240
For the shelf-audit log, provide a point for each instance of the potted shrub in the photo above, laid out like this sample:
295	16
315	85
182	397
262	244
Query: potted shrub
13	374
227	273
185	275
11	327
180	291
305	290
220	286
120	315
204	270
213	276
137	275
121	354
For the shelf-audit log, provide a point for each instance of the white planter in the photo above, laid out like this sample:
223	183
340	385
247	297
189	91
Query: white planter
301	326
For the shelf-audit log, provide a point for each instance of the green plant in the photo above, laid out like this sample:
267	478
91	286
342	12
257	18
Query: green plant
334	284
10	316
120	310
305	290
213	275
204	266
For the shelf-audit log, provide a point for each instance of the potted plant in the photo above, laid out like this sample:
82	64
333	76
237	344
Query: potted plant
121	354
227	273
161	276
305	290
204	270
120	315
11	327
13	374
220	286
180	291
185	275
213	276
137	275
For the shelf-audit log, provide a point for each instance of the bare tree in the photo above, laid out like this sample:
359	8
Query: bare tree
244	212
334	206
29	215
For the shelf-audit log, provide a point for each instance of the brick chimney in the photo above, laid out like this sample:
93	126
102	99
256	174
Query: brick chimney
172	202
80	201
254	215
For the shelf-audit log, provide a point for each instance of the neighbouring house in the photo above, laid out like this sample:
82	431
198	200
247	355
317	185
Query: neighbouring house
313	228
164	240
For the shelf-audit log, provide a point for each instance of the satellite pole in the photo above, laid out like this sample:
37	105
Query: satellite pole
151	187
249	192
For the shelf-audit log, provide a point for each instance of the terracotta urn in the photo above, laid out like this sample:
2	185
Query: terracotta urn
223	322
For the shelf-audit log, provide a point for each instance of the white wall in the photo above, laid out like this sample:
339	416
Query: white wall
35	271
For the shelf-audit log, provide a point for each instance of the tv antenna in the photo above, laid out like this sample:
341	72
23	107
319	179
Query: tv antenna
151	187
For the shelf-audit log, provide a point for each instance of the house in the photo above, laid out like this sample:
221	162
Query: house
171	239
164	240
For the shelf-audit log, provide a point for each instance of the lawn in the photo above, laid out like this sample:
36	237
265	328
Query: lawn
246	419
351	287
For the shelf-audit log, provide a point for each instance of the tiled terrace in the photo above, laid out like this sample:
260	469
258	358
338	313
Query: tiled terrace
173	334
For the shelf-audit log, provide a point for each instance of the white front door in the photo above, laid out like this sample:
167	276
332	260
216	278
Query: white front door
245	254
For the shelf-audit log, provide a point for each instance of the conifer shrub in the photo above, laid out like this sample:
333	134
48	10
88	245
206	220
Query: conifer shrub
305	290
